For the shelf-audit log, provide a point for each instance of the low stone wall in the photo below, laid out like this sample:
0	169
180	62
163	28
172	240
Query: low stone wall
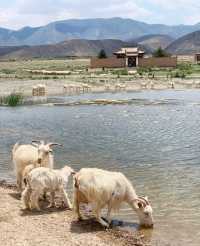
111	62
158	62
186	59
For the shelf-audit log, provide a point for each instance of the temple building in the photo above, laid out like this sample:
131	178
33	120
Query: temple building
131	54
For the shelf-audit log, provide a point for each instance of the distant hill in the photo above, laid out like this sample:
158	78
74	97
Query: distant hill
4	50
113	28
74	47
153	42
186	45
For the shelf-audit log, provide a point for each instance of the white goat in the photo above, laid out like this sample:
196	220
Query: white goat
26	171
41	180
103	188
36	154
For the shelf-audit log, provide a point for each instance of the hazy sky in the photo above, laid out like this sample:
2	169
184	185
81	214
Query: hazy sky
18	13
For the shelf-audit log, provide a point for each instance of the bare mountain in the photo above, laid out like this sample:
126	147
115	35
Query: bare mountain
74	47
113	28
153	42
186	45
4	50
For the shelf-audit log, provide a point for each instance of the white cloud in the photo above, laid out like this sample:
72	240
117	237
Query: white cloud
40	12
19	13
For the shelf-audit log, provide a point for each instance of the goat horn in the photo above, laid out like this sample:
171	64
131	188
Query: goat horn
141	201
35	141
38	141
34	144
54	144
144	200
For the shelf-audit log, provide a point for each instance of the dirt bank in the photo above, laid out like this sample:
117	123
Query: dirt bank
53	227
56	87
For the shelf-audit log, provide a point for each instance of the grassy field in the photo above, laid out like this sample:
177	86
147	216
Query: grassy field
25	70
19	69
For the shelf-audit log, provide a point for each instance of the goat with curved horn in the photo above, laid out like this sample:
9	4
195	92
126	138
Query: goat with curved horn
114	190
38	154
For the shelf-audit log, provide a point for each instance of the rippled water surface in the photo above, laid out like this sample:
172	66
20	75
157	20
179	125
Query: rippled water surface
156	145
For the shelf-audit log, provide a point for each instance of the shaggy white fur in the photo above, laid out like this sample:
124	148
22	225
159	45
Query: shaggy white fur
39	154
41	180
108	189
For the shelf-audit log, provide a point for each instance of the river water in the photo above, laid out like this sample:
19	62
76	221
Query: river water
154	141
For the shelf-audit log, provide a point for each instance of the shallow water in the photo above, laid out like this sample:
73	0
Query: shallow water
155	145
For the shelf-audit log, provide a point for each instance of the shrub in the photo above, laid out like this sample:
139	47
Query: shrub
14	99
185	68
7	71
160	53
179	74
141	70
120	72
102	54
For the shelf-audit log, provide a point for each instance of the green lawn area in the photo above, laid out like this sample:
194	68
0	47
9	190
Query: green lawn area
18	69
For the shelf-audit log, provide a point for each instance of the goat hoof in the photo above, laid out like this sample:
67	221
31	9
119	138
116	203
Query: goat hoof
107	221
106	226
51	206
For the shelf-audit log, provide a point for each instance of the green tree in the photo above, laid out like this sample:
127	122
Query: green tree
102	54
160	53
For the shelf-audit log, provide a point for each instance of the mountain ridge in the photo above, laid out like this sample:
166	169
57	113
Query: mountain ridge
91	29
68	48
187	45
154	41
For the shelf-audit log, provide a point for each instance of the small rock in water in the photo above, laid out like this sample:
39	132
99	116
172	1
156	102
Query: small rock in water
116	223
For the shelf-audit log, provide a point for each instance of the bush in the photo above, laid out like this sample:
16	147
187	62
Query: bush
14	99
102	54
141	70
120	72
185	68
160	53
7	71
179	74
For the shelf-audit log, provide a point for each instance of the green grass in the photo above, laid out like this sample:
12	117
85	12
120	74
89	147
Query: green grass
17	69
120	72
13	100
20	70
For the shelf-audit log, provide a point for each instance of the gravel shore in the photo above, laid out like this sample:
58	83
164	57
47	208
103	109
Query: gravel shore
55	87
53	227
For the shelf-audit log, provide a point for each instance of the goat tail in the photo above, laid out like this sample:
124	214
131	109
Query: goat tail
76	182
15	147
25	181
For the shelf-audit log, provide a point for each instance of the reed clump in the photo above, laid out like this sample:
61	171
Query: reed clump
12	100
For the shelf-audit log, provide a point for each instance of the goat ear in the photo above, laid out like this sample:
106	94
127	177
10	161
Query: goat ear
140	205
73	172
146	198
35	144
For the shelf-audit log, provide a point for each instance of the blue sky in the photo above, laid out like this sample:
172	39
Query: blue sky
18	13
